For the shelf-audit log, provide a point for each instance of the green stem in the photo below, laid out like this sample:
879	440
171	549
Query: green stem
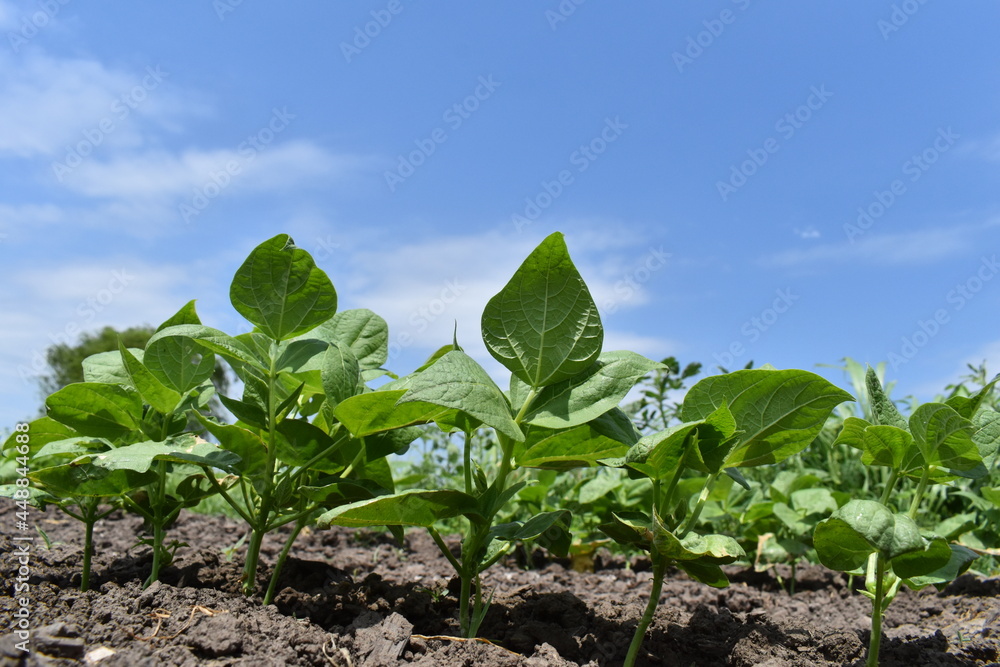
264	511
158	522
702	499
659	570
436	536
299	525
915	504
889	485
468	462
876	637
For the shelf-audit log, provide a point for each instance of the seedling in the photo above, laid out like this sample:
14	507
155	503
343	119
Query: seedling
737	420
938	444
301	359
561	412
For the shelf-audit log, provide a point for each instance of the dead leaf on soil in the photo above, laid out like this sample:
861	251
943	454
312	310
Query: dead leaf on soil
446	638
161	614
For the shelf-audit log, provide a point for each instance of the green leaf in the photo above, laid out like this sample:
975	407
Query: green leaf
987	436
706	573
884	409
958	562
861	527
341	373
408	508
301	441
40	432
889	446
181	366
591	393
97	409
378	411
363	331
944	437
565	449
73	480
615	424
246	444
778	412
967	406
279	289
630	529
162	398
543	326
456	381
107	367
852	433
141	456
532	528
934	556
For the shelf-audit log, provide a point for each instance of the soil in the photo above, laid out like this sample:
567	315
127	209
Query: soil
357	598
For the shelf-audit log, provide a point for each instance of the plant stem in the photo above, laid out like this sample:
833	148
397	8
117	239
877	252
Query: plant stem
468	462
264	509
876	637
702	499
915	504
659	570
299	525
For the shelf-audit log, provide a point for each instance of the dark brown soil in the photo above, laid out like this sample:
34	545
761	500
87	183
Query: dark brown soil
352	598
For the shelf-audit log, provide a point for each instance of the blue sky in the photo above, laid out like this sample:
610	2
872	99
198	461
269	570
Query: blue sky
737	180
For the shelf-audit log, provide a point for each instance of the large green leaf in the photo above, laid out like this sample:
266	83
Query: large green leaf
987	436
778	412
591	393
162	398
360	329
456	381
543	326
246	444
378	411
73	480
176	361
564	449
179	366
107	367
340	374
408	508
862	527
945	437
281	291
40	432
141	456
959	561
97	409
889	446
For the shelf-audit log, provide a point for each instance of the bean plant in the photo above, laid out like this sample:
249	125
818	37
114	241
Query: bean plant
561	412
939	444
738	420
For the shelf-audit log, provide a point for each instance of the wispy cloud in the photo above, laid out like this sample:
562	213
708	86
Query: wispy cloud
916	247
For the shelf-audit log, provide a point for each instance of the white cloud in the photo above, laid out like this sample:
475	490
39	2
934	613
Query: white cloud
916	247
161	174
54	106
